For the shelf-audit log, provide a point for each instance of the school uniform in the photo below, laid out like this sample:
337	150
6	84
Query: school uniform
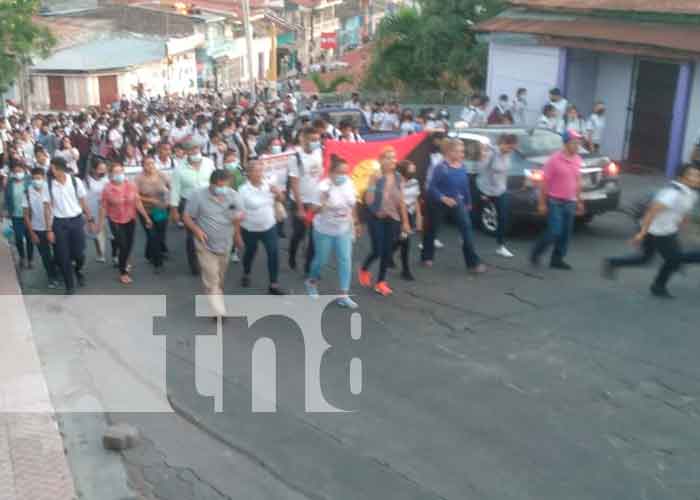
33	205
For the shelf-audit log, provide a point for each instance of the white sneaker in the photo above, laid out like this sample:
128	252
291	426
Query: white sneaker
439	244
347	303
311	289
101	260
420	246
235	257
504	252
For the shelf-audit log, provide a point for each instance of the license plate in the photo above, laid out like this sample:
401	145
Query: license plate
594	195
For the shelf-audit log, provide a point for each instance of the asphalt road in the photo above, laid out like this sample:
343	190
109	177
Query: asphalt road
519	384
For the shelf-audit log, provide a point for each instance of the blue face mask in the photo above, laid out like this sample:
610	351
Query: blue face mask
220	190
315	146
276	150
234	165
38	183
119	178
339	180
195	158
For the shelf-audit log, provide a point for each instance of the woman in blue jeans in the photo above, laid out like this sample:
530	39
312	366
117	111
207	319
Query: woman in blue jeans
333	229
259	224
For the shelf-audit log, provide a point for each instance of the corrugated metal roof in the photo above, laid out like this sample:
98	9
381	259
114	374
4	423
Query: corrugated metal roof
104	54
657	6
672	37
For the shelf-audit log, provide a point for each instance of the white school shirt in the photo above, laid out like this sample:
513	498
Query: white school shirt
35	204
560	106
66	201
258	207
679	202
310	177
93	199
596	127
336	217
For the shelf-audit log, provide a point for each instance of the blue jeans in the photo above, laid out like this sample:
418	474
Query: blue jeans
560	225
342	245
269	241
436	215
22	239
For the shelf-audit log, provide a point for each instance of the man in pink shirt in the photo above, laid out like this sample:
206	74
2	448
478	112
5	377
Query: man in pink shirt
560	201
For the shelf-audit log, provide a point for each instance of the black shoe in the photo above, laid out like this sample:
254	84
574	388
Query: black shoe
276	291
608	271
660	292
534	260
70	291
80	277
157	269
245	281
30	265
407	276
561	265
292	264
391	264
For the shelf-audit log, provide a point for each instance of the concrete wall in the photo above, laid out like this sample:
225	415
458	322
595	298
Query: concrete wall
582	78
693	124
513	66
260	45
40	92
613	87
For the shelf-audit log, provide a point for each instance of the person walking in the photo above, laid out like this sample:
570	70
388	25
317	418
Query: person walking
595	128
192	175
120	204
560	200
449	194
411	194
492	183
660	227
15	191
334	229
95	183
519	107
65	212
305	172
387	217
259	225
35	222
153	188
213	216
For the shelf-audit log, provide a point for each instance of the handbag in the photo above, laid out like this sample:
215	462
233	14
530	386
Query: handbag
158	214
280	212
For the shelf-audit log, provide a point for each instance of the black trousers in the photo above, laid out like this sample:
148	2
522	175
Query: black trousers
70	247
124	241
189	243
670	250
383	233
155	240
46	252
299	232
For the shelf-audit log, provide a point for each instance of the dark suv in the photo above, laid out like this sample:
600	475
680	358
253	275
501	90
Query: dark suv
601	185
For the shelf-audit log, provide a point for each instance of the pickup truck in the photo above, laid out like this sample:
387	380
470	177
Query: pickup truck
338	114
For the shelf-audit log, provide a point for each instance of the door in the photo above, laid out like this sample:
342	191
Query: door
109	92
57	93
653	112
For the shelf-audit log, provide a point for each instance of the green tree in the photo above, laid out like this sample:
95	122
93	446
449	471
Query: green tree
329	87
21	38
431	48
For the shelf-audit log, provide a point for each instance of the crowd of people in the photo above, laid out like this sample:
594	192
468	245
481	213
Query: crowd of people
200	164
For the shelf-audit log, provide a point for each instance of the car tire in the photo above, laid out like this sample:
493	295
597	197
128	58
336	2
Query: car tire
487	217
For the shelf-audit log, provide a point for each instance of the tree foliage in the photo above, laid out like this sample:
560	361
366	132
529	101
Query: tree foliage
21	38
432	47
329	87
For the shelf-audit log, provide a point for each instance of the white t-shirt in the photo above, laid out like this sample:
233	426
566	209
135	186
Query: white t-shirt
336	217
94	194
116	139
36	205
390	121
258	206
411	193
596	127
560	106
66	201
310	176
679	201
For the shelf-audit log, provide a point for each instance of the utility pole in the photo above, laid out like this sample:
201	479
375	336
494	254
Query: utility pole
249	48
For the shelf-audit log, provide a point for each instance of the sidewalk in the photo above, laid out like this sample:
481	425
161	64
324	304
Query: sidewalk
33	465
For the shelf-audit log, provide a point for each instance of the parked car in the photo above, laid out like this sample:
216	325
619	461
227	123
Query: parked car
600	176
338	114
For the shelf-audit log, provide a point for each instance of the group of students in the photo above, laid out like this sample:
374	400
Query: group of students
206	175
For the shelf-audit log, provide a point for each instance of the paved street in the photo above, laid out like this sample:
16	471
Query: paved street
519	384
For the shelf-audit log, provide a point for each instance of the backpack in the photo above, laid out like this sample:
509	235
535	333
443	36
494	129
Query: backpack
50	182
638	209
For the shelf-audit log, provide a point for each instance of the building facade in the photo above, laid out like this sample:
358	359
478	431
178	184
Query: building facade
644	65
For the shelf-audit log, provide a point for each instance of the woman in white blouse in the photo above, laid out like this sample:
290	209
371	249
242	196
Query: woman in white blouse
334	229
68	153
95	183
259	224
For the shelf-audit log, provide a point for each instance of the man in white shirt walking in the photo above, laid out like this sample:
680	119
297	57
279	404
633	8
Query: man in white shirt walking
35	222
560	104
661	224
65	212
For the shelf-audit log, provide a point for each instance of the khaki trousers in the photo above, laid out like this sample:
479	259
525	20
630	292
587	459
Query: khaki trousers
213	272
